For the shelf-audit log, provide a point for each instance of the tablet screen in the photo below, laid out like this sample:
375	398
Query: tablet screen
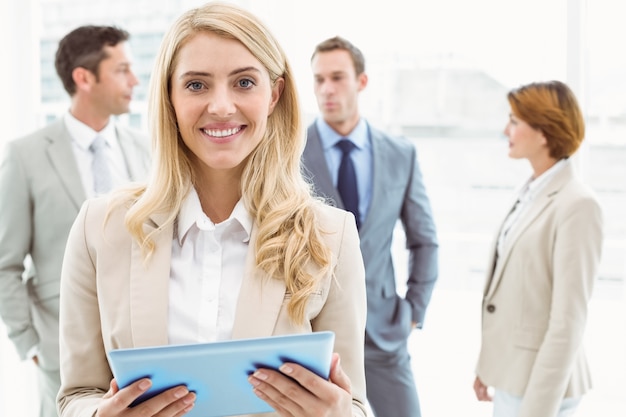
218	372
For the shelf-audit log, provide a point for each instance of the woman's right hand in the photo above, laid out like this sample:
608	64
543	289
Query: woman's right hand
174	402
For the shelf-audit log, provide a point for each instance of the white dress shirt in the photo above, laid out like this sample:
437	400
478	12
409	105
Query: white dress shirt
525	197
208	263
82	136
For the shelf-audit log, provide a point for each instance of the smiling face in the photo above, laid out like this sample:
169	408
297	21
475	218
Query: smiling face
222	96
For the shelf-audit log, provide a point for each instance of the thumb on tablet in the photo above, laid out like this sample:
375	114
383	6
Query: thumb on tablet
337	375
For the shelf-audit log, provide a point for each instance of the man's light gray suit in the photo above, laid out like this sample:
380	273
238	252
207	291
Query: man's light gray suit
41	193
398	194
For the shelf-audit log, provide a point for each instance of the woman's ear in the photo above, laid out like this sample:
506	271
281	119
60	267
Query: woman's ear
277	91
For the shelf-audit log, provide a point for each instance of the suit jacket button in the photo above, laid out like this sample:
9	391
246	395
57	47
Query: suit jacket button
491	308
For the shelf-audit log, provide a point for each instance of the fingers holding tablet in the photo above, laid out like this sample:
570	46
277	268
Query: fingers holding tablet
295	390
173	402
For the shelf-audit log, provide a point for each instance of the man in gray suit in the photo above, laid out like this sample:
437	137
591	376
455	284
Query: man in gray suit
386	187
44	179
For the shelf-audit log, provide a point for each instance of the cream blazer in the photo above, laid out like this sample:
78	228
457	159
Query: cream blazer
111	298
536	297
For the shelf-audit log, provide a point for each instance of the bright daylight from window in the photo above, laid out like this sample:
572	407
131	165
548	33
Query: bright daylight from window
439	72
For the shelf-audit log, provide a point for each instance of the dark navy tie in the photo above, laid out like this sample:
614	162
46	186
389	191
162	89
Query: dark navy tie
346	180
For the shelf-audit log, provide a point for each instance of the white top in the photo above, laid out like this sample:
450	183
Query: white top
526	195
208	263
82	136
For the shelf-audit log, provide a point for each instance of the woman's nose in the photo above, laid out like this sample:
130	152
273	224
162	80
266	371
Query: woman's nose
221	103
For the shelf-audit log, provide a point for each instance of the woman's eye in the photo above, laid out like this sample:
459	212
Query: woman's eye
245	83
194	85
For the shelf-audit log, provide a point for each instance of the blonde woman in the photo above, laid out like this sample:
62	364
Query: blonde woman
544	263
223	242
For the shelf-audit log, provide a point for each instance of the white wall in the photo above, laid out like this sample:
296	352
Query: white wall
20	68
18	109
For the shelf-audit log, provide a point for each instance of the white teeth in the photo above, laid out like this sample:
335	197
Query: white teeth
221	133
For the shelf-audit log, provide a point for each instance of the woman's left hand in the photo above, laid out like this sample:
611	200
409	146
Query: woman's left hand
481	390
311	395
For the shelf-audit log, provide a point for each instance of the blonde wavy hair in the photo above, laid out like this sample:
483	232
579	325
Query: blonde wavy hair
273	190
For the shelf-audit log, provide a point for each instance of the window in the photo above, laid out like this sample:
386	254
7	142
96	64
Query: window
438	74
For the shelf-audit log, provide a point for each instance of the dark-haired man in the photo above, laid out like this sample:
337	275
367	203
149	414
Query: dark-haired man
44	179
377	177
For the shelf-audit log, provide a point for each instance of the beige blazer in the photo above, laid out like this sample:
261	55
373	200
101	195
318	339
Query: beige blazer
536	297
111	298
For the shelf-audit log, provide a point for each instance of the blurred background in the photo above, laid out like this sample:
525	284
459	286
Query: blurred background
438	72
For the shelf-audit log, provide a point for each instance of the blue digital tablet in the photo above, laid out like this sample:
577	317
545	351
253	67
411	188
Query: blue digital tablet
218	372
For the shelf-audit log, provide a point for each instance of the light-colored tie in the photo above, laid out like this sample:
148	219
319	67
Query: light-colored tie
100	166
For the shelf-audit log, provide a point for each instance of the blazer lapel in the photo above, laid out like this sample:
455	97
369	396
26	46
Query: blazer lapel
260	300
493	254
258	306
539	204
64	162
380	158
149	287
317	168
